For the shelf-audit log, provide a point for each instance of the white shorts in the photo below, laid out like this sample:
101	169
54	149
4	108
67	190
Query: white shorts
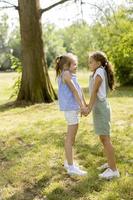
72	117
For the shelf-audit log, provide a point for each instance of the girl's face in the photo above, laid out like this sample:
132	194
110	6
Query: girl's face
73	67
94	64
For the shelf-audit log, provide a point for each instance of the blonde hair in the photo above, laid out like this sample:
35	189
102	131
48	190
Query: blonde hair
63	62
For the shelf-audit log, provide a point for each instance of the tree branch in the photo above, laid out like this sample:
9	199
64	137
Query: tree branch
98	7
110	6
52	6
11	5
81	2
5	7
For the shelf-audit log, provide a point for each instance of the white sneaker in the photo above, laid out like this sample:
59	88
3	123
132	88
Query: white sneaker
109	174
74	170
104	166
66	166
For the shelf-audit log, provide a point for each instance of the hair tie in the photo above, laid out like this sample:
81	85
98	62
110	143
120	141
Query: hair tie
58	59
106	63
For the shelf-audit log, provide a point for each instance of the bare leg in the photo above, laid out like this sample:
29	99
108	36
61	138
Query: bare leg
109	151
69	142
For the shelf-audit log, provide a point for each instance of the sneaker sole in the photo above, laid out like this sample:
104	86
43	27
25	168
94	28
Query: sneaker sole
74	174
108	178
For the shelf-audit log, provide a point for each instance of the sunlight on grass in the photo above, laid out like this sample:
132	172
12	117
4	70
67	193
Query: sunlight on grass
32	149
6	83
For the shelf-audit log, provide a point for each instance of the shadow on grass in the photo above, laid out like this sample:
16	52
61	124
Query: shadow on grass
72	188
30	191
118	92
86	149
13	104
7	106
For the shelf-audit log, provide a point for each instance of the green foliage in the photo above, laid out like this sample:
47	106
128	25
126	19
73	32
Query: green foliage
3	31
124	60
53	43
116	39
9	43
68	39
124	53
111	33
4	49
16	66
78	39
14	42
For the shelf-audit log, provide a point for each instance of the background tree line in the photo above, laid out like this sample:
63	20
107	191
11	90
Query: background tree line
112	34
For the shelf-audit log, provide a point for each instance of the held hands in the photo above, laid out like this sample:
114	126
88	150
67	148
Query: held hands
85	110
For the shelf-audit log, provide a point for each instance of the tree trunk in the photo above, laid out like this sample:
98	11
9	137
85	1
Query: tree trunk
35	84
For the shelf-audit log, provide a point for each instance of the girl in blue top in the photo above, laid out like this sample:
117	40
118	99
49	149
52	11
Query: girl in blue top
101	80
71	102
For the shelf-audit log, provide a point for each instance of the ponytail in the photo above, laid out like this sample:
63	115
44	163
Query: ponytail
110	74
58	67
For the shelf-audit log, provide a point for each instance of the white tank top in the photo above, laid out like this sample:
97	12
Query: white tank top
102	91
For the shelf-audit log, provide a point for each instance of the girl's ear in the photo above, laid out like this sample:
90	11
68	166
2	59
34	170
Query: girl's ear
99	63
65	67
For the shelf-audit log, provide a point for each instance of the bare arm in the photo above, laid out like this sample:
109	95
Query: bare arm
84	101
69	82
96	86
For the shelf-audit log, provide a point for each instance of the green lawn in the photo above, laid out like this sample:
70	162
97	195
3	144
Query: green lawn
32	152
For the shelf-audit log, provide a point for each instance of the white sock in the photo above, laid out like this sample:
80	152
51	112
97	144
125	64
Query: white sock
71	167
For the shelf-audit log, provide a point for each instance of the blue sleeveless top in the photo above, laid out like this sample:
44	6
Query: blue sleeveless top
67	101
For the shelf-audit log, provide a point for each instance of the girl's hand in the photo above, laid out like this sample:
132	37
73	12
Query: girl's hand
88	110
84	111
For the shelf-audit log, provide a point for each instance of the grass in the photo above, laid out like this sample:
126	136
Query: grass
32	153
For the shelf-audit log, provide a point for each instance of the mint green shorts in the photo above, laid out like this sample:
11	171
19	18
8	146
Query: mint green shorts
102	117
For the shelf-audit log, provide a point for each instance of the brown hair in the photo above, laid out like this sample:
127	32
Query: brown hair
101	56
63	62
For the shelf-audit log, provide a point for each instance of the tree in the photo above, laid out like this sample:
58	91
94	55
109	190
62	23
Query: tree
35	84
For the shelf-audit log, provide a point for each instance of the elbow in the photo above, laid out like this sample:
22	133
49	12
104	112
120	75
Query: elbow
95	91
